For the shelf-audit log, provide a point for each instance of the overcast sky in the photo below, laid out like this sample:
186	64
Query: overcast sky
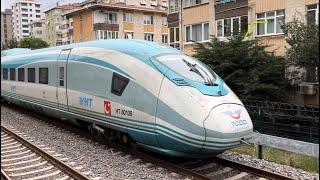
5	4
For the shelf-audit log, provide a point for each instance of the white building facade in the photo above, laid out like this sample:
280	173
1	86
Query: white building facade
25	12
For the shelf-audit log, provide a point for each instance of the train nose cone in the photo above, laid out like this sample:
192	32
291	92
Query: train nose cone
226	126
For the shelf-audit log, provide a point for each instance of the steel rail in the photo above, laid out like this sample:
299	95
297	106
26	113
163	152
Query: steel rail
4	175
249	169
59	164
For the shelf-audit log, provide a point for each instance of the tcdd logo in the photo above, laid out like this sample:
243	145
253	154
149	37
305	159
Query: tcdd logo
239	123
107	108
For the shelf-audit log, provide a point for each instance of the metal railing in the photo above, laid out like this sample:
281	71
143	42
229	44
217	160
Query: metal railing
294	121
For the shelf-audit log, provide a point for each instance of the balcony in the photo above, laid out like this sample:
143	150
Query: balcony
106	25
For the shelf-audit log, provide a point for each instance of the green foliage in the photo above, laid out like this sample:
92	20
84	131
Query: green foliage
246	67
303	52
10	44
33	43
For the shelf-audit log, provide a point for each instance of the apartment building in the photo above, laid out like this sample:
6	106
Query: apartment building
24	12
6	26
275	12
197	20
143	19
56	24
38	30
190	22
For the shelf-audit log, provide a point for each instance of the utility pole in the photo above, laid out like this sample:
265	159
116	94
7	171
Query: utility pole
180	27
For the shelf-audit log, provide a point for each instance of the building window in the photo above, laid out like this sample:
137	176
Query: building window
313	13
25	31
119	83
164	38
174	37
5	73
38	16
143	2
148	19
189	3
43	75
24	4
111	18
127	17
21	74
164	21
231	26
128	35
102	34
12	74
24	15
274	21
148	36
153	3
174	6
197	32
31	75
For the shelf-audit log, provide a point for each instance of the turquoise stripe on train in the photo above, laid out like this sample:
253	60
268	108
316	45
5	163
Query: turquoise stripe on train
128	122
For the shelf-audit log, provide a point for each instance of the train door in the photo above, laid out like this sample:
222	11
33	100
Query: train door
62	63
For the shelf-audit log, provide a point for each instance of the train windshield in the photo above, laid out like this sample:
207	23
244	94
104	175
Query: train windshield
189	68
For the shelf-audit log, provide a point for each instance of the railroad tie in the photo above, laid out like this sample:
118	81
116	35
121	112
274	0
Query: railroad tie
21	162
45	176
11	151
11	147
222	171
31	172
23	157
238	176
27	167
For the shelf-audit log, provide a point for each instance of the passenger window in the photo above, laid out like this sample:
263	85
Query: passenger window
21	74
12	74
31	75
61	76
119	83
5	73
43	75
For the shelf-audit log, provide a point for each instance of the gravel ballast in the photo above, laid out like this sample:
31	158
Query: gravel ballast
104	162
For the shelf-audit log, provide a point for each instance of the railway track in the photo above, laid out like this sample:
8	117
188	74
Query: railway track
21	159
209	168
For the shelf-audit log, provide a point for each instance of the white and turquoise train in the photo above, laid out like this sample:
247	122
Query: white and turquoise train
160	98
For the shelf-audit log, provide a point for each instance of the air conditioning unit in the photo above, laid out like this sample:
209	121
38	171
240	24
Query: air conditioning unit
307	89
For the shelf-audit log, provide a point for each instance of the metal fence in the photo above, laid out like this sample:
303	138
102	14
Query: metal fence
294	121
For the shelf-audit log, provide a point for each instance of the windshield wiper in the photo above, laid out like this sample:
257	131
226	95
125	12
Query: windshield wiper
193	68
210	82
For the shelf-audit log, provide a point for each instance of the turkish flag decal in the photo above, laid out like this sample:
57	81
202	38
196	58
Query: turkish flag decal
107	108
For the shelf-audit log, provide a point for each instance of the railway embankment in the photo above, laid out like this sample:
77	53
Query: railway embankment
106	162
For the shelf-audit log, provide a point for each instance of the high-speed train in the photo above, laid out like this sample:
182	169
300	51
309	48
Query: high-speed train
154	95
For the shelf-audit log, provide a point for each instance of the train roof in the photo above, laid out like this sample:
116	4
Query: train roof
140	49
15	51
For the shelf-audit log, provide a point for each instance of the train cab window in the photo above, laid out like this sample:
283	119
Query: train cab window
43	75
5	73
21	74
61	76
31	75
189	67
119	83
12	74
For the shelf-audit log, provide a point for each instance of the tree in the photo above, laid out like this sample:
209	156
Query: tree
246	67
303	51
33	43
10	44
